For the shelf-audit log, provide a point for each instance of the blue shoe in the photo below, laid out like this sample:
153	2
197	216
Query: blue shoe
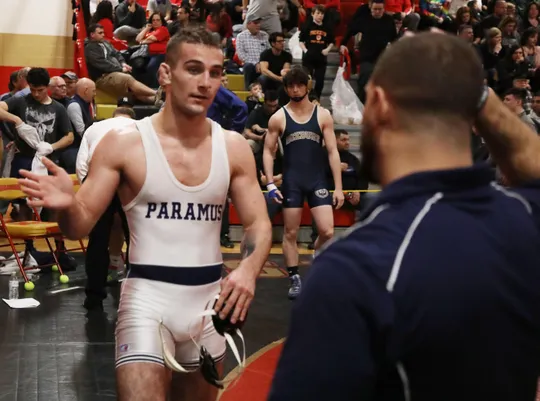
296	286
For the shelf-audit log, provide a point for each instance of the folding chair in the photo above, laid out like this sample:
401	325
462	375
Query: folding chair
34	229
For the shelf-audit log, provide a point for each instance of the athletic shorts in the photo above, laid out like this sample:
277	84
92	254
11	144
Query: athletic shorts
143	303
295	192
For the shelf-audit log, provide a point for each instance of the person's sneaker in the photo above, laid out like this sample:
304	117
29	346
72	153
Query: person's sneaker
67	262
296	286
226	242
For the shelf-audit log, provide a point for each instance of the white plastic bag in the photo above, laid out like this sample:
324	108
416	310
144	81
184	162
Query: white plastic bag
347	109
294	46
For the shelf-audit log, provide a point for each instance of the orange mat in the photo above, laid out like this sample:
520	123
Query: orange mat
255	382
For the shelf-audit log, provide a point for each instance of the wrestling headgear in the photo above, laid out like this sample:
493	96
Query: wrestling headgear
207	365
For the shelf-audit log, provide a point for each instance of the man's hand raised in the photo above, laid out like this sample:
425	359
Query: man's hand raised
53	191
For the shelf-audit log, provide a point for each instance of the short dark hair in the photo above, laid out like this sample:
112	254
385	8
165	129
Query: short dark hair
431	74
13	77
319	7
296	75
194	35
38	77
518	93
340	132
93	27
271	95
274	37
124	111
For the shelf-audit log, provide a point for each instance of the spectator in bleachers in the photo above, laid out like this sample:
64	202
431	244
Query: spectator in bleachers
493	20
535	106
71	79
257	122
378	31
510	35
104	16
22	84
94	4
531	52
81	112
156	35
130	19
316	41
409	18
511	11
466	32
249	45
523	82
234	9
351	176
284	14
463	17
58	90
38	110
267	11
50	119
256	96
274	63
512	66
12	86
219	22
331	15
514	99
531	16
228	110
108	69
491	52
434	14
197	10
181	21
163	7
455	5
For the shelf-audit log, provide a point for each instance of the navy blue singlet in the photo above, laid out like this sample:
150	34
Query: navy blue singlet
305	163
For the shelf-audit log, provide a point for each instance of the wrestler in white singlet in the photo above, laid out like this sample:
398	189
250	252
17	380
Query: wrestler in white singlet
175	258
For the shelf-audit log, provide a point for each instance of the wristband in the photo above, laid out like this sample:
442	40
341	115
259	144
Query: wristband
271	187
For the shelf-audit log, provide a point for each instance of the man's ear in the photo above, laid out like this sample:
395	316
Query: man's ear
164	74
379	104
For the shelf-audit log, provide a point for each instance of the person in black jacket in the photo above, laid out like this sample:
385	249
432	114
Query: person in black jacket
130	19
378	31
316	41
108	69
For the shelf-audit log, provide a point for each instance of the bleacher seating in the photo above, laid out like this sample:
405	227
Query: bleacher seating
106	104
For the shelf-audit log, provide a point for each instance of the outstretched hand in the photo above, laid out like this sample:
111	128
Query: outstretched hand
54	191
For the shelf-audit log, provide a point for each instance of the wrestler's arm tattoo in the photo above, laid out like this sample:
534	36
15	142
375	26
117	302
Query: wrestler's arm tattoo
247	247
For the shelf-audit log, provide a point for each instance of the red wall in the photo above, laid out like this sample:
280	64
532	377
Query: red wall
5	72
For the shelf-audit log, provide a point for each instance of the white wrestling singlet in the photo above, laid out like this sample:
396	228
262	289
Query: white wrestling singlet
175	259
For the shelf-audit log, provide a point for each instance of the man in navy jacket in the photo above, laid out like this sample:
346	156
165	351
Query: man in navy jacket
435	294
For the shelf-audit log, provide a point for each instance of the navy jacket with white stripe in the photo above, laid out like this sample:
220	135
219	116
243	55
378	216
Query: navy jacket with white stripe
433	296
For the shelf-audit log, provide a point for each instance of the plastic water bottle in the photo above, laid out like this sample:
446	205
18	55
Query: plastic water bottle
13	286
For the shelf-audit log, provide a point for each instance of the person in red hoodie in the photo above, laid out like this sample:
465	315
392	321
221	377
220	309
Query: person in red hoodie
404	7
332	16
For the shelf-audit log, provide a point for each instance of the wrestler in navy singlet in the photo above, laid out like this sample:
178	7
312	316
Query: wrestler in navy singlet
305	163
